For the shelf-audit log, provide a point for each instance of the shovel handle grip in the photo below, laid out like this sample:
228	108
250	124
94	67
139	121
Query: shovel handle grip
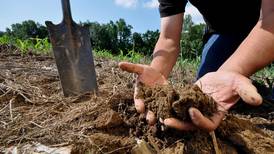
67	17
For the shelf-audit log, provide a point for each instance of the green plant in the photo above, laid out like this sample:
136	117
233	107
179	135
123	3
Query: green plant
41	45
134	56
23	45
131	55
103	54
34	45
265	76
4	40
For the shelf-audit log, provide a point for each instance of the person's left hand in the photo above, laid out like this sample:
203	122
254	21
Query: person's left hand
226	88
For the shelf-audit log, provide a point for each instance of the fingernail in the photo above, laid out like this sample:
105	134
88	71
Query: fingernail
191	113
139	107
150	117
161	120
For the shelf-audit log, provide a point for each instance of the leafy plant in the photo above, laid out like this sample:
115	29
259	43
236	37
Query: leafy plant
34	45
41	45
4	40
131	55
265	76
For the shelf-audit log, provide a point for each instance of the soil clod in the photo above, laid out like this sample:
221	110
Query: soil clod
167	102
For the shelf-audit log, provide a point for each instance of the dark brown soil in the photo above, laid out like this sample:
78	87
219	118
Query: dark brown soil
33	109
167	102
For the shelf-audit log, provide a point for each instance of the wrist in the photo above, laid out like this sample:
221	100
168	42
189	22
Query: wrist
159	69
235	69
161	65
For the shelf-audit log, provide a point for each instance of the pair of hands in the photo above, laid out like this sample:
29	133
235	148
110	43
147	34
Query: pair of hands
224	87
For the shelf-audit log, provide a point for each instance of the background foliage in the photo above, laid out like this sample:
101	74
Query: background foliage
115	37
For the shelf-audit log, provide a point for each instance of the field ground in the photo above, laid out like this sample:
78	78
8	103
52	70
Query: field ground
35	117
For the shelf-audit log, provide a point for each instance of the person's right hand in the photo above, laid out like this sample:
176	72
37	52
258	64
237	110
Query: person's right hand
148	76
226	88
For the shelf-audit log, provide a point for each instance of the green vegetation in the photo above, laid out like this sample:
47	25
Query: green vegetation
27	29
192	64
192	39
265	76
131	56
116	37
1	34
33	45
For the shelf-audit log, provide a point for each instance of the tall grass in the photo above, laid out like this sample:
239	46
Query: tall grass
188	63
131	56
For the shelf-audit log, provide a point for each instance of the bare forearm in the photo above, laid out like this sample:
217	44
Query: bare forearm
165	56
256	51
167	48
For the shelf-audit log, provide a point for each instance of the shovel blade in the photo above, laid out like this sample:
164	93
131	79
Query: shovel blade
73	57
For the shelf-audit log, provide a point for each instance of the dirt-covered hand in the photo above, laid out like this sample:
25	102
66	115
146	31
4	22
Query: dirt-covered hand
226	88
148	76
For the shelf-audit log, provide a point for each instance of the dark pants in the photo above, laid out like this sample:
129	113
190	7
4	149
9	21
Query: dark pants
217	49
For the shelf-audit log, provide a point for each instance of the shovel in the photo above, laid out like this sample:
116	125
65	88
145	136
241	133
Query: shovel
73	55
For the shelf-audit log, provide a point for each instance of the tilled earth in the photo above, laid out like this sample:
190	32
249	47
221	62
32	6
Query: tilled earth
33	110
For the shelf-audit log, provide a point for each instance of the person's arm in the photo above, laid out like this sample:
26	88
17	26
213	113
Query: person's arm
231	81
257	50
165	55
168	45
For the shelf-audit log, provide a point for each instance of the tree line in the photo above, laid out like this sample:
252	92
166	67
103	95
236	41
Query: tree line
117	36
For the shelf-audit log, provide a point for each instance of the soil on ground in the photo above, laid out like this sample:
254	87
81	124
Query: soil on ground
33	110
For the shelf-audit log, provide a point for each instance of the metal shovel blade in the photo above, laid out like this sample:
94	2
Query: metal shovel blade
73	55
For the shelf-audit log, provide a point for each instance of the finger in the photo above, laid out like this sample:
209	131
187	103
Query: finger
179	125
151	118
204	123
131	68
249	94
139	103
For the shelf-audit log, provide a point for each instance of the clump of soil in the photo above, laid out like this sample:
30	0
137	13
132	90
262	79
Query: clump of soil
167	102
